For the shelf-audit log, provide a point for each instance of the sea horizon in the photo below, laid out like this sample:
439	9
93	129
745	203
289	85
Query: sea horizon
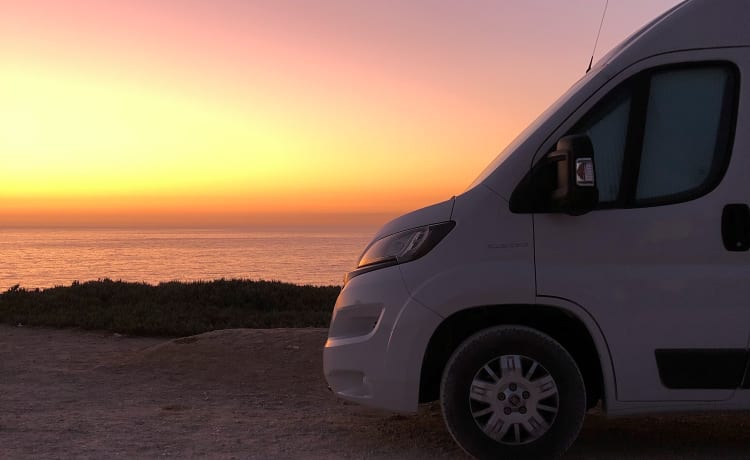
329	227
47	256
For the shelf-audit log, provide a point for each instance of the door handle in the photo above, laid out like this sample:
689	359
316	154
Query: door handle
735	227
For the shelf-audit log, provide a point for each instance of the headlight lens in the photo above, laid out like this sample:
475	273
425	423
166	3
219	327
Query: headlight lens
405	246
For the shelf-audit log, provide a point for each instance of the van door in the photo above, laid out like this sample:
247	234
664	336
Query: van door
651	265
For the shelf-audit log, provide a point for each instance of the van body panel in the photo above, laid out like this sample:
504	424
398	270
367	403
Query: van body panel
433	214
692	25
660	274
646	293
487	259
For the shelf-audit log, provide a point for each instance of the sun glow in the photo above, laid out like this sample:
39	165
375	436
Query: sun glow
245	112
101	142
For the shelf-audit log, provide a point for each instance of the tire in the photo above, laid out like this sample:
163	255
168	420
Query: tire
512	392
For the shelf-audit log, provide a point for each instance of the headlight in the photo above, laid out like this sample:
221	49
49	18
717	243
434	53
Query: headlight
404	246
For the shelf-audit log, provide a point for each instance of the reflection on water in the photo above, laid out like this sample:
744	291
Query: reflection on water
49	257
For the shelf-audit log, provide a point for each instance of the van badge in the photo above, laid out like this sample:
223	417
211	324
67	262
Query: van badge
522	244
585	172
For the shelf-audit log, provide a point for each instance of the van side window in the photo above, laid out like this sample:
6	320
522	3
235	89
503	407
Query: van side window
682	130
664	136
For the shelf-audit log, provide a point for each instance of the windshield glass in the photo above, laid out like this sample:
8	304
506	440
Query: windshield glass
536	124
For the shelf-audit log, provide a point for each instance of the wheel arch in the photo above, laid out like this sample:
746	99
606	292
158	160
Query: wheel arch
587	346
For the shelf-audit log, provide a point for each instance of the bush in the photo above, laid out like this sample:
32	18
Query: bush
172	308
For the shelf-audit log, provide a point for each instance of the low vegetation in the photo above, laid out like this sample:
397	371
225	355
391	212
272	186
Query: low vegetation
170	309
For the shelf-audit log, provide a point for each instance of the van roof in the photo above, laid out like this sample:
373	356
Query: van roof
693	24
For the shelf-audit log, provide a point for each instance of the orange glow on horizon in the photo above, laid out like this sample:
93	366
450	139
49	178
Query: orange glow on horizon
238	113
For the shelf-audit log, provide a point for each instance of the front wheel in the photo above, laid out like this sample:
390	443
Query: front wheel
512	392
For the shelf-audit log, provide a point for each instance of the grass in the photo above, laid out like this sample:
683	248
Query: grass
172	308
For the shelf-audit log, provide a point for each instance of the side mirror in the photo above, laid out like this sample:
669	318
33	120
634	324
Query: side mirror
576	191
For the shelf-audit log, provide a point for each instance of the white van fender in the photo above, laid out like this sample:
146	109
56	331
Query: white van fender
609	380
546	309
488	258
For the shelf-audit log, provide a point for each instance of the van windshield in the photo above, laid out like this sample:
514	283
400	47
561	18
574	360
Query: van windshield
535	125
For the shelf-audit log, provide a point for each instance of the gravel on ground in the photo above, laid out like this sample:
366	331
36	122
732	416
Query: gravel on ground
258	394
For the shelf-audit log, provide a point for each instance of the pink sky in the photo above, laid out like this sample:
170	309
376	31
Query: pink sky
274	107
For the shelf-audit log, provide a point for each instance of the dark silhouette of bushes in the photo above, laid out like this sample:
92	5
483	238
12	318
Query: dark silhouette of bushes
172	308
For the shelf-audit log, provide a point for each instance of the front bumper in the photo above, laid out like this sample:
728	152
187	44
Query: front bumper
376	342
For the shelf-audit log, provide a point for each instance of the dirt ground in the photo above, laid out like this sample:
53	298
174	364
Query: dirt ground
255	394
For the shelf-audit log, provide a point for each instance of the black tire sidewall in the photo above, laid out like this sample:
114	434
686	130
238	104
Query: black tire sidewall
489	344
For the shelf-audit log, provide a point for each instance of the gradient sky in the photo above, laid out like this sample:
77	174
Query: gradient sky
245	112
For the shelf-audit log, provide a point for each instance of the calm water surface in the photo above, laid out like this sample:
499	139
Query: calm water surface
50	257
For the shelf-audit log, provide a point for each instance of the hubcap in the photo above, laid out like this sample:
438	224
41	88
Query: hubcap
513	399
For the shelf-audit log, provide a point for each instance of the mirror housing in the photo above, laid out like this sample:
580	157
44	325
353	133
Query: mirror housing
576	191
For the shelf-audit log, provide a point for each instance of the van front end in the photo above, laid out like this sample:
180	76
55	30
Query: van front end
601	257
376	341
379	332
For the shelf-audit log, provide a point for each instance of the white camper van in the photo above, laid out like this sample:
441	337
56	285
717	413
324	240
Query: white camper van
603	256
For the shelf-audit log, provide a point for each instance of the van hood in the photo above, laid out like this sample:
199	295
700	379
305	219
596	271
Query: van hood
440	212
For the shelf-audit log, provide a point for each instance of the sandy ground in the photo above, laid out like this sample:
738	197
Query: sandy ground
254	394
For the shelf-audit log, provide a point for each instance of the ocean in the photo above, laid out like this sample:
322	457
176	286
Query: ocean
39	258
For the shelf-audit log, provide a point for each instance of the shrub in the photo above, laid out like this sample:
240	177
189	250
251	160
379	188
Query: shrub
171	308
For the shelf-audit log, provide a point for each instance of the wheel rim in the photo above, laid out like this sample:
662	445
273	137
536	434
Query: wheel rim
513	399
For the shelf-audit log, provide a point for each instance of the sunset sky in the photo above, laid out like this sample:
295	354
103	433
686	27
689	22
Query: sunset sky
241	112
